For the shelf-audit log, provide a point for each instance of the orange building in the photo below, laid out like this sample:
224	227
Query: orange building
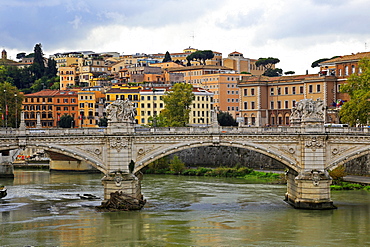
51	105
40	103
269	100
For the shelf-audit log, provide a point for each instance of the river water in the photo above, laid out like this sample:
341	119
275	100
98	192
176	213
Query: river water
43	209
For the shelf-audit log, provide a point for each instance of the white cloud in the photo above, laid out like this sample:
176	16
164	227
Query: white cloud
297	32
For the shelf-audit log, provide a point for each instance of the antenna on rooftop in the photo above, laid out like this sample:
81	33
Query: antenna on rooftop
193	36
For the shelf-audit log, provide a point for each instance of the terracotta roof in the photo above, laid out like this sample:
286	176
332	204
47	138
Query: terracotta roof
215	67
43	93
235	52
344	58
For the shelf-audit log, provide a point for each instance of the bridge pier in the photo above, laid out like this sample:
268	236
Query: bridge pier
309	190
126	183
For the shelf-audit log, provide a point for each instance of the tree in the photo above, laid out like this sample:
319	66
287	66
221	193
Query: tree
289	73
267	63
317	62
225	119
200	56
103	122
176	165
167	57
21	55
65	121
273	72
10	104
356	110
38	66
177	105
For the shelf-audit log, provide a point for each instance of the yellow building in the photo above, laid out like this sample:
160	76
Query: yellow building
67	59
236	61
91	104
68	76
123	92
151	104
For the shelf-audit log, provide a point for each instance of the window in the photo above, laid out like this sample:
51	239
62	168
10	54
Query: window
310	88
286	90
245	105
286	104
279	104
301	89
272	91
65	108
293	90
252	105
318	88
353	69
82	105
279	91
272	105
252	91
293	103
245	92
340	72
346	70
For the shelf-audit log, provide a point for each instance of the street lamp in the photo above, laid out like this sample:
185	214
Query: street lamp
6	110
16	111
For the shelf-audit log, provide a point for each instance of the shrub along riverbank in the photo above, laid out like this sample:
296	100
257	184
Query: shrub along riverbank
177	167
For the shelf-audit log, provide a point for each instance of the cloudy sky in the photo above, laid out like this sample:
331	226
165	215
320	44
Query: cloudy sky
297	32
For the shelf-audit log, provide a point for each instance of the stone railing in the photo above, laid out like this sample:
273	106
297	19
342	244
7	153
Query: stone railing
187	130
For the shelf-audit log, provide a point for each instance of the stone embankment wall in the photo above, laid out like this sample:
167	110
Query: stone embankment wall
359	166
227	157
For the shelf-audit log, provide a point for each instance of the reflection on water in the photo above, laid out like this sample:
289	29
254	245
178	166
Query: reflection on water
43	209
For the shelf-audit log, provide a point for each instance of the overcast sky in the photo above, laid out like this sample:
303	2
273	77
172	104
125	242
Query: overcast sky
297	32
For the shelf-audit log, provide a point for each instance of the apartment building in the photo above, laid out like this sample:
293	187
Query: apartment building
50	106
236	61
123	92
68	76
269	100
91	106
151	104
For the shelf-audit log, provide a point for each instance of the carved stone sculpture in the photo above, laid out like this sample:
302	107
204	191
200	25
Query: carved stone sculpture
308	111
121	111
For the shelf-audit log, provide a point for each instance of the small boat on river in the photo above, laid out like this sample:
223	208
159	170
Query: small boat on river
3	191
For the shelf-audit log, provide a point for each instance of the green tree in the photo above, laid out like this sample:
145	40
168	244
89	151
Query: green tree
267	63
317	62
357	109
225	119
273	72
289	73
176	165
200	56
167	57
177	105
38	66
103	122
10	104
65	121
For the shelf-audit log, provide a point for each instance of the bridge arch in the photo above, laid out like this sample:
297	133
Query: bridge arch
77	154
167	150
347	157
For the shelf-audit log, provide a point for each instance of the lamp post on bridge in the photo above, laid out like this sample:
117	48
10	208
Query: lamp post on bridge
16	111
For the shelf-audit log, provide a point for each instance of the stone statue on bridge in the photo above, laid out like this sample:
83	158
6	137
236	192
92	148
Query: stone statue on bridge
121	111
308	112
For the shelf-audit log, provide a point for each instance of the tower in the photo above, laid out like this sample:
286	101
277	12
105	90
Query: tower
4	54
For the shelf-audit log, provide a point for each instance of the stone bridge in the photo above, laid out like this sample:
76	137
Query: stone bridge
308	152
